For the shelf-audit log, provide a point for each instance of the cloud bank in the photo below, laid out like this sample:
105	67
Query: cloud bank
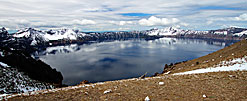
103	15
154	21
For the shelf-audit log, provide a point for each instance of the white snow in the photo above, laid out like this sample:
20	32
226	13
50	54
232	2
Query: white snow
107	91
21	83
233	65
241	33
168	72
147	99
24	34
62	34
163	32
4	64
161	83
3	97
221	32
1	53
171	31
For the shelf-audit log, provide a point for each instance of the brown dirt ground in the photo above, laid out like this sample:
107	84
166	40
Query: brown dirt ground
216	86
236	50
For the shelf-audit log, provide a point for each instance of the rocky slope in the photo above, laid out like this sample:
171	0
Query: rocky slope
235	51
35	69
22	70
14	81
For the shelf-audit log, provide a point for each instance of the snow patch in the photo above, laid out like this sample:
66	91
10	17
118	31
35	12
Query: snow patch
233	65
4	64
241	33
161	83
62	34
107	91
147	99
24	34
1	53
17	82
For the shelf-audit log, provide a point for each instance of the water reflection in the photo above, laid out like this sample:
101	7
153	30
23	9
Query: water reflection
123	59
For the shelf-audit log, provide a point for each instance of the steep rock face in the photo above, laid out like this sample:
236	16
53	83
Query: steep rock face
35	69
3	33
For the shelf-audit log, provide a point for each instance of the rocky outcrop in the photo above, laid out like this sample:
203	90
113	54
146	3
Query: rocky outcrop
35	69
3	33
14	81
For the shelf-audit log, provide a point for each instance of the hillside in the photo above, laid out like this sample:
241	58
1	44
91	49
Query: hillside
227	85
237	50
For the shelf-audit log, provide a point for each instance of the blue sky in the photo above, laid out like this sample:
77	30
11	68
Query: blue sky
122	15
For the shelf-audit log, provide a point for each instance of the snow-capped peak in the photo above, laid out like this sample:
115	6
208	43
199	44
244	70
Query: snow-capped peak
36	36
167	31
62	34
3	30
27	32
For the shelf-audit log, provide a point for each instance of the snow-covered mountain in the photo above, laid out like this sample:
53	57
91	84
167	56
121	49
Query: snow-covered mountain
61	34
171	31
167	31
30	34
37	37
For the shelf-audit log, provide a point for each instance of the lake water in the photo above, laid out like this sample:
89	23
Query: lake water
113	60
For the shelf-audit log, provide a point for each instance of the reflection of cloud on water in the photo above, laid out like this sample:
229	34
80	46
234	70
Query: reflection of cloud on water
61	49
124	59
91	49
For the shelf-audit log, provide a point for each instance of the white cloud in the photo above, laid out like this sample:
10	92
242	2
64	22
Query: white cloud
154	21
97	15
121	23
210	22
184	24
83	22
242	17
15	21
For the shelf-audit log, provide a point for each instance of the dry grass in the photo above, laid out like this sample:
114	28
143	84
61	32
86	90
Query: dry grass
216	86
236	50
